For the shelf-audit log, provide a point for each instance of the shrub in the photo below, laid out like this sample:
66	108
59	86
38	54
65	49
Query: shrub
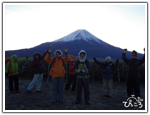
96	74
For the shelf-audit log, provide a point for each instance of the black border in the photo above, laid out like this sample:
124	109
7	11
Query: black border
2	2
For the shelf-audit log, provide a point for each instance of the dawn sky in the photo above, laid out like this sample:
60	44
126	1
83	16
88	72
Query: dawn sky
122	25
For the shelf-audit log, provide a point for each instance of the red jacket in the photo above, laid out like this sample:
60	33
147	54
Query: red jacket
71	65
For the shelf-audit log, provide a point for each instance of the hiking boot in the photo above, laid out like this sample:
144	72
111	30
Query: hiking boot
77	102
18	91
28	91
39	91
87	103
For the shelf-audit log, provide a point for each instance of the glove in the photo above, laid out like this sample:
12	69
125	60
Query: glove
49	50
6	74
27	57
94	58
84	70
66	50
77	70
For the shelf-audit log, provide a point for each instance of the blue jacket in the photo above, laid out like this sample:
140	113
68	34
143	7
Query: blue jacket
108	69
133	65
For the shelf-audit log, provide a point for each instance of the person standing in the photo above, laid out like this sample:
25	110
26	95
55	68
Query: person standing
38	69
133	78
72	75
108	67
11	70
83	68
58	72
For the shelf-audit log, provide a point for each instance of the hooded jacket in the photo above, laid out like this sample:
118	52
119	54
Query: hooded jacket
108	69
14	65
37	63
82	61
58	69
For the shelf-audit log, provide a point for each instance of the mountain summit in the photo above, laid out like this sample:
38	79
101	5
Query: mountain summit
76	41
78	35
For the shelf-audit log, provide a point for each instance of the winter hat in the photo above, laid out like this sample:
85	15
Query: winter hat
58	50
108	58
37	53
80	59
134	53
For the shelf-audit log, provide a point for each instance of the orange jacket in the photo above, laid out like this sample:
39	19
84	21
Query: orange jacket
58	68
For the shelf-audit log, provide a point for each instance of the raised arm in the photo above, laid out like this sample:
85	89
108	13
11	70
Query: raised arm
22	59
100	64
141	61
124	57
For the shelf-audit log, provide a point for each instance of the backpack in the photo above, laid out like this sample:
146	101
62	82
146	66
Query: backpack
53	63
6	61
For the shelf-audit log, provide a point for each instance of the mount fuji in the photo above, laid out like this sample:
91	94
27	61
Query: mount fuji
76	41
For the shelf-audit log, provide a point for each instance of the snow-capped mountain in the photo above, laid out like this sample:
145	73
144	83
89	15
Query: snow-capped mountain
76	41
79	35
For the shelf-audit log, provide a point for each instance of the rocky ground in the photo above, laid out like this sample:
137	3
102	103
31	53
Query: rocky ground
43	101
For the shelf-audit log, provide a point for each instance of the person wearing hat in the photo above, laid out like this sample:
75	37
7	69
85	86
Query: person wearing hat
133	79
11	70
108	67
38	69
83	68
72	75
58	72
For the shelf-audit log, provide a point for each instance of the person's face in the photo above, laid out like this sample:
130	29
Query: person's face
37	56
72	59
15	58
58	53
133	57
107	61
82	55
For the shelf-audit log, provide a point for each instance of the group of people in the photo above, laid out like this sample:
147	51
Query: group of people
79	73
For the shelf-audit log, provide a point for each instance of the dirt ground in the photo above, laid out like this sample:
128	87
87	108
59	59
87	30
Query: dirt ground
43	101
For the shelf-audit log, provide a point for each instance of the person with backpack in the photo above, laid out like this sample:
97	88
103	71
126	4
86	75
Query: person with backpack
133	78
57	72
83	68
38	69
11	70
108	67
72	75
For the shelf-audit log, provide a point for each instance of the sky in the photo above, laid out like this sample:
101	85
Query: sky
122	25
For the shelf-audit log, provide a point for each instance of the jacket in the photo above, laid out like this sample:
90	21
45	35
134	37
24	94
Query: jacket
58	69
14	66
36	65
133	64
108	69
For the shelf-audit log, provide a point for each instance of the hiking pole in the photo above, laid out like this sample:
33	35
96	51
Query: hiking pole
48	69
66	71
49	61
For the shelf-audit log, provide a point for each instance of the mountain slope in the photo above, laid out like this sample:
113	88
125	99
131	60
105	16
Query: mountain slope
76	41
